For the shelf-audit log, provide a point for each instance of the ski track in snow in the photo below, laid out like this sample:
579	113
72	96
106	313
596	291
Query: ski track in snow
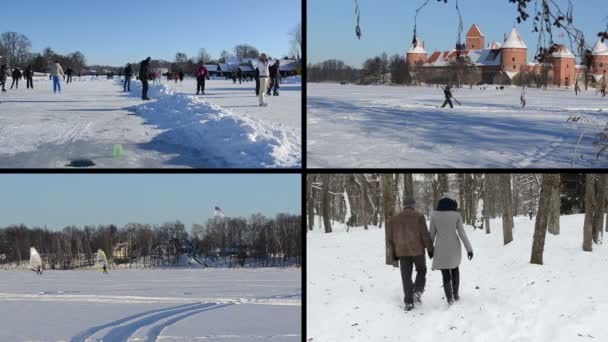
383	126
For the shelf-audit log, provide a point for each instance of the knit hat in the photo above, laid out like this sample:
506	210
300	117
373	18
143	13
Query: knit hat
409	203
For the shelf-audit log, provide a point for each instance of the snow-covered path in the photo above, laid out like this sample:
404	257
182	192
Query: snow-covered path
352	295
43	130
382	126
149	305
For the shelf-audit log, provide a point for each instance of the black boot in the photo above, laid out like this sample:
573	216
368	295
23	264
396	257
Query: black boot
447	287
409	306
455	283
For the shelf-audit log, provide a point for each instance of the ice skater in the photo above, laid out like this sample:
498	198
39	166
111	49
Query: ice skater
3	74
105	269
448	96
16	75
128	74
263	65
143	77
522	97
577	89
275	78
69	73
57	71
446	233
407	241
29	77
201	74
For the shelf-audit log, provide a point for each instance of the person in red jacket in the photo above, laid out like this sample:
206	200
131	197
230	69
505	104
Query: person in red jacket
201	74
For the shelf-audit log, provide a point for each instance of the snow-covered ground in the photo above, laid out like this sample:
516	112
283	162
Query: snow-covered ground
151	305
352	295
91	116
384	126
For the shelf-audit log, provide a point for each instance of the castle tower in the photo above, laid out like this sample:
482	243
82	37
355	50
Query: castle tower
475	39
564	67
416	54
599	65
514	54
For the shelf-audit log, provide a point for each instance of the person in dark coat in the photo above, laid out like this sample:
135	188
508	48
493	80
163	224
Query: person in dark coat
447	233
275	78
29	77
16	75
239	74
69	73
128	74
3	73
257	81
448	96
408	237
181	76
143	77
201	74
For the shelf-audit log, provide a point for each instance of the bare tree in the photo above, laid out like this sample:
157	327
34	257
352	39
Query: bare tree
388	199
549	182
325	202
554	209
507	208
203	56
246	51
295	40
17	47
590	204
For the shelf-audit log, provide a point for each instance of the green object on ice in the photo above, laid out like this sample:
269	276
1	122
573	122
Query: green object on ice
117	151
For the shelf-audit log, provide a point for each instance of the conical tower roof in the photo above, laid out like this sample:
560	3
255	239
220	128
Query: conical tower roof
562	52
600	48
417	47
514	41
494	45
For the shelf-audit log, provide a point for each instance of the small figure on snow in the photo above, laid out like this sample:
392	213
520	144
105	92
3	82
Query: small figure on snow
522	97
3	74
275	77
39	270
603	88
57	71
128	74
105	269
530	213
143	77
201	75
577	88
16	75
262	64
408	239
447	244
448	96
29	77
69	73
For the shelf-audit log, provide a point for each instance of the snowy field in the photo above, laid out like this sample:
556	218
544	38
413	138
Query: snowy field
383	126
352	295
224	128
151	305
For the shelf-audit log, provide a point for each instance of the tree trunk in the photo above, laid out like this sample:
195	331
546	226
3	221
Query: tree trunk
554	211
486	203
325	203
589	211
388	200
310	205
408	191
600	200
363	200
549	182
443	182
507	208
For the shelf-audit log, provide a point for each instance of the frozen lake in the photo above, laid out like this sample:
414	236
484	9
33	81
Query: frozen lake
152	305
403	127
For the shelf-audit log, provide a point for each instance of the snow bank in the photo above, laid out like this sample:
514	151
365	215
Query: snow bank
193	122
352	295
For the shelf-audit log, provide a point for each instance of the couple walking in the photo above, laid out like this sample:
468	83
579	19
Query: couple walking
408	237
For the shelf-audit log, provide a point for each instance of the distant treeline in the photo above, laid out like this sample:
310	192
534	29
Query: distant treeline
258	240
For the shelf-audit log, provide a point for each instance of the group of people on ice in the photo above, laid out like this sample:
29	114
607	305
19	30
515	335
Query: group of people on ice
16	75
409	237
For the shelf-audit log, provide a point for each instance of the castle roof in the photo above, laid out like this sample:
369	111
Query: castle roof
562	52
486	57
600	48
494	45
417	47
514	41
475	31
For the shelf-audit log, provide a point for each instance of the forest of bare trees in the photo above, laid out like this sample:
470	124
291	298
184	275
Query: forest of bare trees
367	200
233	241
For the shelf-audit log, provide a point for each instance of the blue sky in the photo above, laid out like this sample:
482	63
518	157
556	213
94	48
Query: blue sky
57	200
115	31
388	25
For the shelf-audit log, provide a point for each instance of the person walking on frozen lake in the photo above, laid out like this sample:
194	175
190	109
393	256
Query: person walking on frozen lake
448	97
577	89
408	237
57	71
263	65
446	233
16	75
128	74
69	73
29	77
3	74
201	75
143	77
275	78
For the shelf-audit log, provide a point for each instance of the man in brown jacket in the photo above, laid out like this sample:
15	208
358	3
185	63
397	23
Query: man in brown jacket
408	237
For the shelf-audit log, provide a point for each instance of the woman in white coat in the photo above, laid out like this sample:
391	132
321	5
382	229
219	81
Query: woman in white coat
447	232
262	64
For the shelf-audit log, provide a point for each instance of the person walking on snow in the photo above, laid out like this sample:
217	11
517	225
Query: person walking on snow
201	75
3	74
56	72
16	75
263	65
275	78
29	77
408	237
128	74
577	89
143	77
448	97
69	73
447	232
